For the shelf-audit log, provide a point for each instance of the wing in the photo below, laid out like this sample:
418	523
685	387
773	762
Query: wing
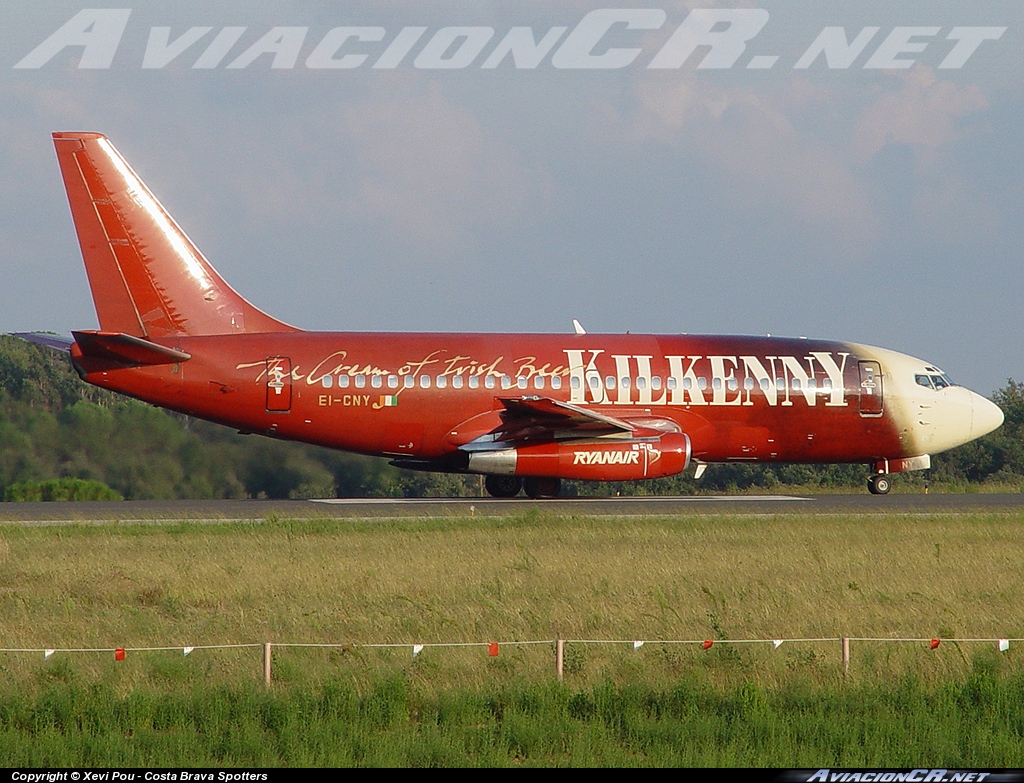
538	419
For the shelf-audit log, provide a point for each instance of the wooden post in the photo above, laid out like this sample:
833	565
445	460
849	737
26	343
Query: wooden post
846	655
266	662
559	656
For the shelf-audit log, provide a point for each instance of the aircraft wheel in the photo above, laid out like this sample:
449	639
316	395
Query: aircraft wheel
503	486
879	484
542	487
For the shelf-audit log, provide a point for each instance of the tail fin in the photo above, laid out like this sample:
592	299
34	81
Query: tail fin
147	278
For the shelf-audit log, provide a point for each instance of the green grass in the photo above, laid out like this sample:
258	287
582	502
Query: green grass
534	577
973	722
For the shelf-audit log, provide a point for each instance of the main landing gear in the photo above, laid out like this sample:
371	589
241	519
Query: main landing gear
879	484
535	486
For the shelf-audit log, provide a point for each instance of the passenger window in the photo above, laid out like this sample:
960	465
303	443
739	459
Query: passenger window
457	382
812	383
408	381
624	382
656	382
376	381
733	384
796	384
327	381
360	381
702	383
538	382
556	382
827	384
672	383
521	381
687	383
594	381
442	381
765	385
716	383
343	381
424	381
474	381
780	384
748	383
609	381
392	381
574	382
506	382
489	381
641	383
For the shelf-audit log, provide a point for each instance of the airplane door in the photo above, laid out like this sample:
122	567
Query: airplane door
870	389
279	384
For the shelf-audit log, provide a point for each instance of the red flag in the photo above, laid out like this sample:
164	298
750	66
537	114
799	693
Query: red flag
707	644
492	649
119	654
935	643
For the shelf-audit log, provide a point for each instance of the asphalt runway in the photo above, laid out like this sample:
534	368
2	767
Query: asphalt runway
161	511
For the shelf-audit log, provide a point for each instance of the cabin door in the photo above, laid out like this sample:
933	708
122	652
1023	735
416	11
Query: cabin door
279	384
870	389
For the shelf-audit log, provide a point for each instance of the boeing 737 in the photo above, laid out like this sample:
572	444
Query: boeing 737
523	410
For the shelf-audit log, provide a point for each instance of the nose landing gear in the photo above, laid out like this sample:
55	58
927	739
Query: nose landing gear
879	484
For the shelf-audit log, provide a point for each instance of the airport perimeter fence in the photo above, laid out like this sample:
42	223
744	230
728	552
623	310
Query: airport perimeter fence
493	649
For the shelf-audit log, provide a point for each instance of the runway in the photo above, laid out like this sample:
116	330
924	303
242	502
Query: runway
163	511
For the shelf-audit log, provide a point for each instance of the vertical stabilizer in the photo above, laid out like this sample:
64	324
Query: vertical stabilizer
147	277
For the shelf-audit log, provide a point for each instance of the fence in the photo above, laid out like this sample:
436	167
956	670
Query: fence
494	648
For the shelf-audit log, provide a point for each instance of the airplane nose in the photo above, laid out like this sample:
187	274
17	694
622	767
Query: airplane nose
986	416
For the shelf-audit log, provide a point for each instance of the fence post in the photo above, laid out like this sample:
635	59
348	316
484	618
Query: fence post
559	656
266	662
846	655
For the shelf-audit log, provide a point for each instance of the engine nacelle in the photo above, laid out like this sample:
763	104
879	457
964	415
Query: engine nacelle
619	460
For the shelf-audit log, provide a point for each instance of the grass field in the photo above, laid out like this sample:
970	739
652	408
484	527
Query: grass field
529	578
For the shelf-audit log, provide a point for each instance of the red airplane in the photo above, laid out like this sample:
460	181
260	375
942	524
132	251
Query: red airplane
524	410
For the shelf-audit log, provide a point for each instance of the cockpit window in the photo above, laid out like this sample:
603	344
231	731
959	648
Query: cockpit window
939	380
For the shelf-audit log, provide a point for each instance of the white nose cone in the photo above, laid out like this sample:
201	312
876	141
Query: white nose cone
986	416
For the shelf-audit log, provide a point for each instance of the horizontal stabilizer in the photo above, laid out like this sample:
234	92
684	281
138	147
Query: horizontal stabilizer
126	349
55	341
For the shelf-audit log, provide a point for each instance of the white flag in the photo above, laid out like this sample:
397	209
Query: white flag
776	643
1004	645
637	645
48	653
187	650
416	649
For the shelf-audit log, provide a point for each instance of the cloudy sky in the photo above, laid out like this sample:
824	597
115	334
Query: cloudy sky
870	193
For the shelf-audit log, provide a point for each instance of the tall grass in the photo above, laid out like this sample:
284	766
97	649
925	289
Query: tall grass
535	577
975	721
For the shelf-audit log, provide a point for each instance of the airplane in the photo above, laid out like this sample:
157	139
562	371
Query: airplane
524	410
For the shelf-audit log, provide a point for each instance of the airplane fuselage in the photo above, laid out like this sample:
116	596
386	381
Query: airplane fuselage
424	396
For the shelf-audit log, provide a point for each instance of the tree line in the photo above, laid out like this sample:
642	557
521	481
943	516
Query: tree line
61	438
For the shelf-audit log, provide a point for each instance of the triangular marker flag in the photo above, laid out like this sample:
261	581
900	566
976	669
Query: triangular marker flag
187	650
416	649
1004	645
637	645
492	649
707	644
48	653
776	643
935	643
119	654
